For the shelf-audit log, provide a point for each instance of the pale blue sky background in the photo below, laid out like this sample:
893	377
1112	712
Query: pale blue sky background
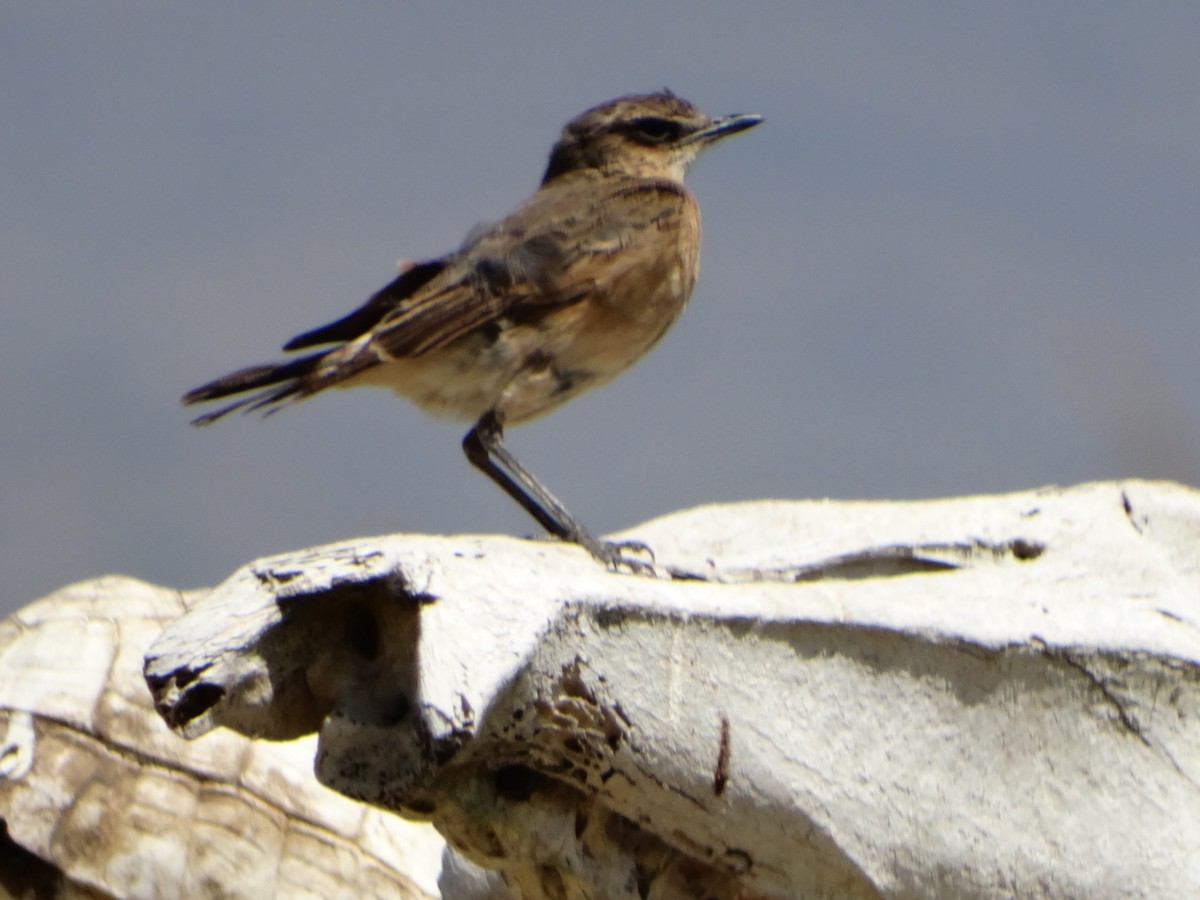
962	256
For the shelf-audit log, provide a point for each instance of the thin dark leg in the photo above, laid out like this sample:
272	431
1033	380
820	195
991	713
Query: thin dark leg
484	447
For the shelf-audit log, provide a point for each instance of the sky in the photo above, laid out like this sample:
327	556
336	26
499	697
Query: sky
960	257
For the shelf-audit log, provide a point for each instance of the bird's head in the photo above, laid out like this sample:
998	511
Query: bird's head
649	135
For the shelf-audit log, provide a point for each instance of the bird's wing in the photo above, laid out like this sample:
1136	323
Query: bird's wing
387	299
559	248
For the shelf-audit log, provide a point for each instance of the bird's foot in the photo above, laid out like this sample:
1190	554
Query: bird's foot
620	556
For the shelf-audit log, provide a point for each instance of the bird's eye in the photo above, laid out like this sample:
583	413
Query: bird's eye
653	130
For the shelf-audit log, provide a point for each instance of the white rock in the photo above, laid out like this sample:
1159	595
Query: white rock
976	697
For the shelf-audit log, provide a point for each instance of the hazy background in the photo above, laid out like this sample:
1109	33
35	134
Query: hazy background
961	256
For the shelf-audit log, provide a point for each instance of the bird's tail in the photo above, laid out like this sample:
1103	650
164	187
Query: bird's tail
275	384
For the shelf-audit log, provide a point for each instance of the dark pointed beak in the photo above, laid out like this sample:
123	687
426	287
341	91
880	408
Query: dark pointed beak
722	127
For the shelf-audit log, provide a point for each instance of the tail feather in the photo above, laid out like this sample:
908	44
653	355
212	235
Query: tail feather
283	383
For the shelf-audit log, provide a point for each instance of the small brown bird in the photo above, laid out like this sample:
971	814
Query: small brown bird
565	293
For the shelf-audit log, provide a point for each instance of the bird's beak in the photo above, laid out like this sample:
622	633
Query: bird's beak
723	126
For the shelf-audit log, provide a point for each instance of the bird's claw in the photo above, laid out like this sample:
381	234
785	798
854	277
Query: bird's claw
618	555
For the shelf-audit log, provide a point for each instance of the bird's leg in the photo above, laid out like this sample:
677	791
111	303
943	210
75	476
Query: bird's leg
484	447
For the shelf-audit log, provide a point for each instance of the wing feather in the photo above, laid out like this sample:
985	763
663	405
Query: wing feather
547	254
384	301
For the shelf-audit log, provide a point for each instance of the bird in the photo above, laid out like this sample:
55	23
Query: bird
565	293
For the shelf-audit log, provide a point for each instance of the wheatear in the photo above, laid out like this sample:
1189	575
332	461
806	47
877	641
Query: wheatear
567	292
